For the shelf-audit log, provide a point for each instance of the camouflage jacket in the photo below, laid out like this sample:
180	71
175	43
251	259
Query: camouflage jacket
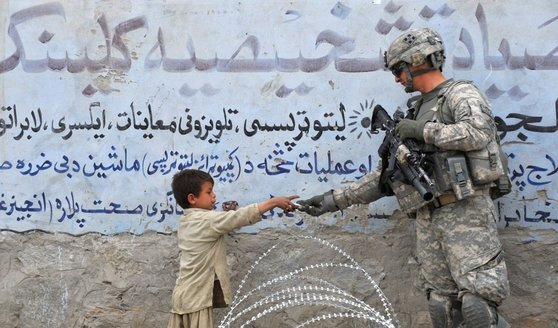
463	122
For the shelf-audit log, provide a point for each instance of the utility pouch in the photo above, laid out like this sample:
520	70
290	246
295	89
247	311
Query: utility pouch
503	185
486	164
459	177
407	196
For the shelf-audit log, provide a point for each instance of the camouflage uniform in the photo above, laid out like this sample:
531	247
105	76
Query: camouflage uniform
458	248
457	243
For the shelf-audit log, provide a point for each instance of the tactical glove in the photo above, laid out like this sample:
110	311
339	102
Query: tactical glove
407	128
318	205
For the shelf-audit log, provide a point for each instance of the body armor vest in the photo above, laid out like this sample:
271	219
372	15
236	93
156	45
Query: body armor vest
461	173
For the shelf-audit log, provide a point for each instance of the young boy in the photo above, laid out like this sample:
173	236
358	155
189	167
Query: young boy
203	281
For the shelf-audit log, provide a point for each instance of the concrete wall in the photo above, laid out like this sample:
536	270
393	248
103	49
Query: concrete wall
103	101
59	280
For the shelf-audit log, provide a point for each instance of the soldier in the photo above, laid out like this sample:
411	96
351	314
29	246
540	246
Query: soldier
461	259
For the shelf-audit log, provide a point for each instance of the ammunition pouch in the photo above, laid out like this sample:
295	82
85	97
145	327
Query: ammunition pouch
452	176
460	177
465	173
452	173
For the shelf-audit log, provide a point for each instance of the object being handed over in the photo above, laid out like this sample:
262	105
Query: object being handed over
230	205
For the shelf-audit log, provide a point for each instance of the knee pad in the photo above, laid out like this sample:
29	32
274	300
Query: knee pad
477	313
490	281
443	311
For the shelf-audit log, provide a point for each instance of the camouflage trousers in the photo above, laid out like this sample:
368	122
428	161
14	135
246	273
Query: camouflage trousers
459	250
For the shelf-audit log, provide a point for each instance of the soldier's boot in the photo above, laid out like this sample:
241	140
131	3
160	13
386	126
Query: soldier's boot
444	310
478	313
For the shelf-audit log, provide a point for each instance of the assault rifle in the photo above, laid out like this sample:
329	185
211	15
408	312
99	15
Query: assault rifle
404	159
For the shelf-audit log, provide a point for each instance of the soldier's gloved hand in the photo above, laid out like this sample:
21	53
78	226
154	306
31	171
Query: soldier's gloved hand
407	128
318	205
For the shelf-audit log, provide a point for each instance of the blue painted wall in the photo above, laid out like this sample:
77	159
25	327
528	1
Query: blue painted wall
103	101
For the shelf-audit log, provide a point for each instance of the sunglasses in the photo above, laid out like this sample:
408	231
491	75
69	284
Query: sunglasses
397	69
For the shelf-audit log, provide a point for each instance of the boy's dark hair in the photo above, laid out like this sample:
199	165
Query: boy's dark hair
188	182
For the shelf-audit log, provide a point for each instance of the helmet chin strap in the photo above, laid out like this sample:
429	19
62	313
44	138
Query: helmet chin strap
422	71
409	87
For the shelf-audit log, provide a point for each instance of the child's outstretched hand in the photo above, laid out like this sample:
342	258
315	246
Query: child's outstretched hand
286	204
283	202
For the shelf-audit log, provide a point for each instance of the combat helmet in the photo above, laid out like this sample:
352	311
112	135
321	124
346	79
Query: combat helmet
414	47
